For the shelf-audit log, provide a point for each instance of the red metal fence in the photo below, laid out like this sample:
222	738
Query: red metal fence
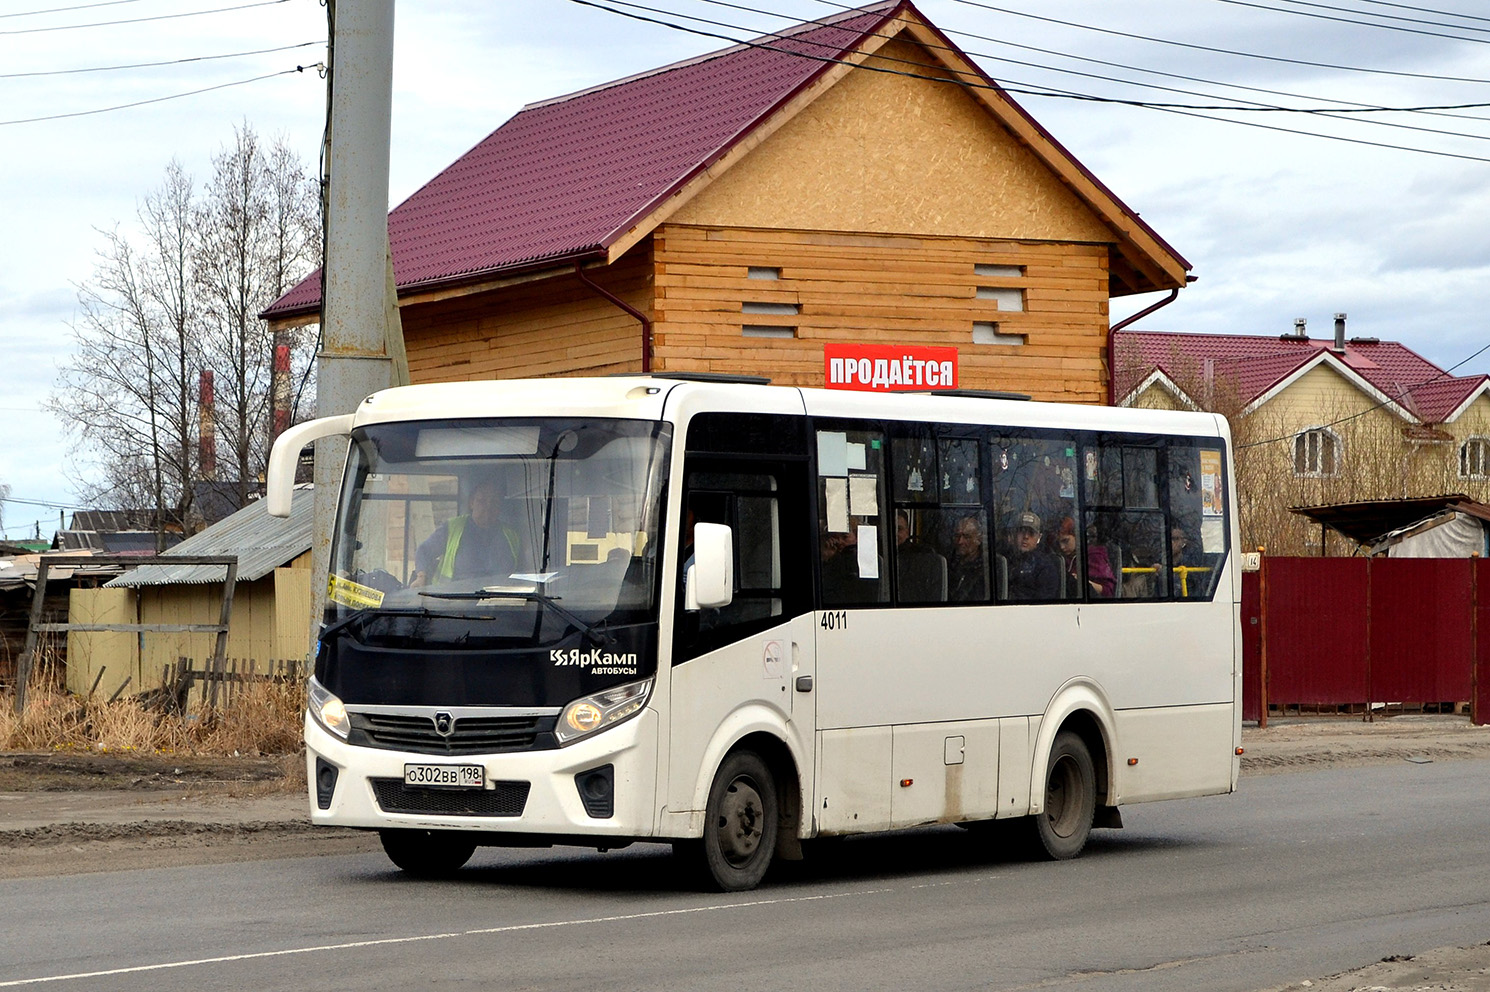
1346	632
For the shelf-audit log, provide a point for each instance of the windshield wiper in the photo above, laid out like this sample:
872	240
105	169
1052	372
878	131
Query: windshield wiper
596	634
332	630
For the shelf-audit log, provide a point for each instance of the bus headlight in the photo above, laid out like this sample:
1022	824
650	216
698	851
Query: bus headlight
327	709
604	709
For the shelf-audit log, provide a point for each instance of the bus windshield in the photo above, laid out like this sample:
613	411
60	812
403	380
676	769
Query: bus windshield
498	533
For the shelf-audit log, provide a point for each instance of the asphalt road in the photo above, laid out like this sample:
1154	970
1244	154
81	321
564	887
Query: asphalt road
1297	876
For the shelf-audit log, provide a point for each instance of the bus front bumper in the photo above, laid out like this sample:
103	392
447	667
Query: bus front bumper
526	793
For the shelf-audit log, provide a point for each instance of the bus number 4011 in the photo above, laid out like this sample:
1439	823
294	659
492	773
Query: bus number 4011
835	620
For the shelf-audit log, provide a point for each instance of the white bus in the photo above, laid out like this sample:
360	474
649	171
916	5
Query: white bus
708	611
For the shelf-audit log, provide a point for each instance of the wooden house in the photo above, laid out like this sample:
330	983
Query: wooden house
856	179
1319	421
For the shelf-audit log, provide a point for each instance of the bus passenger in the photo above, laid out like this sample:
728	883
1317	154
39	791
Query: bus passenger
475	545
1033	574
967	569
1098	567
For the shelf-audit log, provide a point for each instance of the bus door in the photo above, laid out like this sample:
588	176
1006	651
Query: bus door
752	661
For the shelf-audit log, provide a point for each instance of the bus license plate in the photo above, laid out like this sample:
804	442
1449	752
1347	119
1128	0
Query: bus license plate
445	776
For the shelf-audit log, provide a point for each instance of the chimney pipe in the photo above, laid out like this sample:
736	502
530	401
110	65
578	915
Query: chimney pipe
206	428
279	387
1339	333
1300	327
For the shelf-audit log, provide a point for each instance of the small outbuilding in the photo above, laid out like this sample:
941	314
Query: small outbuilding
270	622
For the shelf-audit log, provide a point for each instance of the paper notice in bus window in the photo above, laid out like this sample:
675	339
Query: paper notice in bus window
832	453
1212	500
869	559
837	499
1212	535
856	462
354	594
863	495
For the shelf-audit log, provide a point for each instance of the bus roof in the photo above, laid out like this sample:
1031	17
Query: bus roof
661	397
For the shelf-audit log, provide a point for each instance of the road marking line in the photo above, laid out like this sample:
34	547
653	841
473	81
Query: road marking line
383	941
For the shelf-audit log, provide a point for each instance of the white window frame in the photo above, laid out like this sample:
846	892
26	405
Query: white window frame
1482	445
1314	459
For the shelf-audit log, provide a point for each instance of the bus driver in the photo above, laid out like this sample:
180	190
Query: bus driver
474	544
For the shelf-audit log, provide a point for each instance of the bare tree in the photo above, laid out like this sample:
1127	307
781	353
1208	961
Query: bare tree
257	234
179	295
126	392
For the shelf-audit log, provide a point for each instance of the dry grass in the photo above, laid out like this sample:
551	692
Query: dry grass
262	718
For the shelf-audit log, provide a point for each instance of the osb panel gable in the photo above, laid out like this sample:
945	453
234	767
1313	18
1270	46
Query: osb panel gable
889	153
554	327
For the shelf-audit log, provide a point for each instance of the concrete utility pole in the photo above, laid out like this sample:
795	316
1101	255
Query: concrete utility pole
362	347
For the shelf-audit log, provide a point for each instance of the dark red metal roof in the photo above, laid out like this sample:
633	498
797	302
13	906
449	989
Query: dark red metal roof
566	178
1255	364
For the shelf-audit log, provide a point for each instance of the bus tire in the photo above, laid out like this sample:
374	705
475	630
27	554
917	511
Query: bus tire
1060	832
740	823
427	853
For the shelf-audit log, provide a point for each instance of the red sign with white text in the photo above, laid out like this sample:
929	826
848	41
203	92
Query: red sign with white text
889	368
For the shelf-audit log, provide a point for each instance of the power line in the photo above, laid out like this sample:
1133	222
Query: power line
152	65
1367	24
161	99
1224	51
63	10
1020	88
143	20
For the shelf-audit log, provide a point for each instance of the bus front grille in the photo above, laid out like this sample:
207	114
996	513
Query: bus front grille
504	799
468	735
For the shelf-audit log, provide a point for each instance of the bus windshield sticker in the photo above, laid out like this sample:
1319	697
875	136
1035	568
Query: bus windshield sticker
855	457
837	499
832	453
353	594
863	495
869	559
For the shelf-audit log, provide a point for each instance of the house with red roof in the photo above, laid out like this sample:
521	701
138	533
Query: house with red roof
853	179
1318	421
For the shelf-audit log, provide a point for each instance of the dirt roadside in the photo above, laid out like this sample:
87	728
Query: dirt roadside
78	812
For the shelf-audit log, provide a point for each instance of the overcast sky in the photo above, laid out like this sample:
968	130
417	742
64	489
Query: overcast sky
1277	225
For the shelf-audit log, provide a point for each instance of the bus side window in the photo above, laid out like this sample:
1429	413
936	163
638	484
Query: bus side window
854	524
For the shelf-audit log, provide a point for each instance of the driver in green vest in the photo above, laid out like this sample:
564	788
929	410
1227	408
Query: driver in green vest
476	544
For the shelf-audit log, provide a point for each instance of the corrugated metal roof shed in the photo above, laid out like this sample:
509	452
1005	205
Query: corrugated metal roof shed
261	542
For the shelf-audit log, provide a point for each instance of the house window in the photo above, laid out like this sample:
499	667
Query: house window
1316	452
1474	458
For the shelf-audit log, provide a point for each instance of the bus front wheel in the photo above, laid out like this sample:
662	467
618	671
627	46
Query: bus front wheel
1070	798
427	853
740	823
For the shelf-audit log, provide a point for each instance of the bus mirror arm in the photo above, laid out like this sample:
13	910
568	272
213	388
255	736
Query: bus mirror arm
709	581
279	487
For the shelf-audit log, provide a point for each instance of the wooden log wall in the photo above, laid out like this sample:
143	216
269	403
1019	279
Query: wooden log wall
882	289
556	326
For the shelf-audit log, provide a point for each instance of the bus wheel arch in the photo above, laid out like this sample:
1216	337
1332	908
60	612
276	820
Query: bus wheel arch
750	816
1081	708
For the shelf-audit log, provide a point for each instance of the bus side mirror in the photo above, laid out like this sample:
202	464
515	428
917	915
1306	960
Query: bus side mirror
709	583
279	486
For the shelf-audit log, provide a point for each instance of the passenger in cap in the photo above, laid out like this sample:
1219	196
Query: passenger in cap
1033	573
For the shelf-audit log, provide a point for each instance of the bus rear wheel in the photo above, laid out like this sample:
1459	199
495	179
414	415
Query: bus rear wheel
1070	799
740	823
427	853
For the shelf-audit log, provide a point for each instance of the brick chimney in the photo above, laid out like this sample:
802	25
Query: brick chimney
279	387
206	428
